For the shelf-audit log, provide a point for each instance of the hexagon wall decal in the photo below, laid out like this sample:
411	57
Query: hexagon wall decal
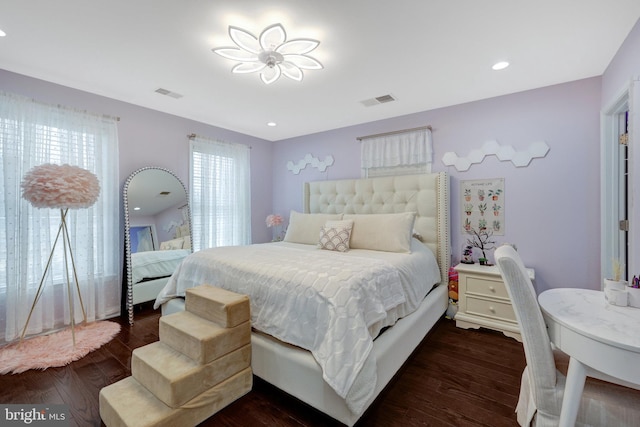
308	159
504	153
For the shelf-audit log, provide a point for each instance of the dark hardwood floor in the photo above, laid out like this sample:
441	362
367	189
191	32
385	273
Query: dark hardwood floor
455	378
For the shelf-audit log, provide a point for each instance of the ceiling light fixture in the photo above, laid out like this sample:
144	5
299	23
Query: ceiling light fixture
272	124
500	65
270	54
2	33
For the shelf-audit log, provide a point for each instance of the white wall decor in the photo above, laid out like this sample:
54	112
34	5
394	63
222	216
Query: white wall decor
502	152
310	160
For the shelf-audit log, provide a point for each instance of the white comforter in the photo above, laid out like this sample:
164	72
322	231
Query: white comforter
330	303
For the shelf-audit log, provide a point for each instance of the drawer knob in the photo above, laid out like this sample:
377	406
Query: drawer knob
492	289
491	309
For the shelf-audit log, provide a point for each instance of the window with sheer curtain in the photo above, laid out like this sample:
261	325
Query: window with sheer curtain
31	134
220	193
400	153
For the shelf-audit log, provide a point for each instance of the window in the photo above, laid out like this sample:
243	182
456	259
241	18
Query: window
220	193
32	134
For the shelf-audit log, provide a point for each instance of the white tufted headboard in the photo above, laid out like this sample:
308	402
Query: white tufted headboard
425	194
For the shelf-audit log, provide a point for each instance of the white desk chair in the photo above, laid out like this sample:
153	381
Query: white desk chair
543	379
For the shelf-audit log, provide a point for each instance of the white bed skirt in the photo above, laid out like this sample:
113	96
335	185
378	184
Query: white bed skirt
149	290
296	372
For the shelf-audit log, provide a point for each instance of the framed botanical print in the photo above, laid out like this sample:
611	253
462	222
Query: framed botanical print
483	205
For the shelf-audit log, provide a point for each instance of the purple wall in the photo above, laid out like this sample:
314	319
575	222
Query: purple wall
552	206
152	138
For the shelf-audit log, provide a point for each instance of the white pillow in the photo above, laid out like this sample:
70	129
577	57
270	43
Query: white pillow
187	242
304	228
170	245
182	230
334	235
382	232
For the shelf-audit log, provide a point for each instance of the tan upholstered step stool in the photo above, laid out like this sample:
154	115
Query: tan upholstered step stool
128	403
175	378
200	339
226	308
198	367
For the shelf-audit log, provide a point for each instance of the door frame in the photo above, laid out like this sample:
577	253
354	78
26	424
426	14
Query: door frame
627	100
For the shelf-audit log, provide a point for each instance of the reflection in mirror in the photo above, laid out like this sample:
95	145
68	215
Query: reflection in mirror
157	232
142	238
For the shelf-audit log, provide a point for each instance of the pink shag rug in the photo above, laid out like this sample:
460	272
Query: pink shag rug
48	351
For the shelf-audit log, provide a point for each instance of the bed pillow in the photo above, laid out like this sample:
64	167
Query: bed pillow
304	228
170	245
334	235
382	232
186	242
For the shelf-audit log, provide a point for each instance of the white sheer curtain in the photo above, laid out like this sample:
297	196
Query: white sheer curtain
32	134
220	191
399	153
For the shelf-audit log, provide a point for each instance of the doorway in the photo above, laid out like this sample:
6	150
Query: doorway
615	187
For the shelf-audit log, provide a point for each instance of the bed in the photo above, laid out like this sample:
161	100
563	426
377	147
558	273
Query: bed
150	271
424	199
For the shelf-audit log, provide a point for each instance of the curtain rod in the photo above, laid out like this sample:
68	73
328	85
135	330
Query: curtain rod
360	138
193	135
60	106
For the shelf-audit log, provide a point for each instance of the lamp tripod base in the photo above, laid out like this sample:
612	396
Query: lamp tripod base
68	255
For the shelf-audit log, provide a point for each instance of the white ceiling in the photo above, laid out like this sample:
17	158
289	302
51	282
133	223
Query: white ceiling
427	54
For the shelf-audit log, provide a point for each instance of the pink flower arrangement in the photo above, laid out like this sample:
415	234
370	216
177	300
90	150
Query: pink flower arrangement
276	222
60	186
273	220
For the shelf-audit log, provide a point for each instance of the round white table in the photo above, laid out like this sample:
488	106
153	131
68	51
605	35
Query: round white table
596	335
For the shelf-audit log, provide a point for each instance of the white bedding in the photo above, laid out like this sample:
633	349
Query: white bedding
155	264
330	303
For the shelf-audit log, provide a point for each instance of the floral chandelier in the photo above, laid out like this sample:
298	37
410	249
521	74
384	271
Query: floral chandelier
270	54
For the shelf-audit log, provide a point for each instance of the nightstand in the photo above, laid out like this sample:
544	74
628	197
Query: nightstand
483	300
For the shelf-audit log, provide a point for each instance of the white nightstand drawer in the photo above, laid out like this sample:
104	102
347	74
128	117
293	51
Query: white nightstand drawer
490	308
488	287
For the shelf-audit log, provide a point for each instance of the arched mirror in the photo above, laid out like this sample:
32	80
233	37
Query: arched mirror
157	232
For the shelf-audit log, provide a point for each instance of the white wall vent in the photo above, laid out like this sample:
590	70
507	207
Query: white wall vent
377	100
166	92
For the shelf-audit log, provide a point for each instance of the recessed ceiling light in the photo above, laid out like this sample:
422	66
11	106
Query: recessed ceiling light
500	65
272	124
137	208
2	33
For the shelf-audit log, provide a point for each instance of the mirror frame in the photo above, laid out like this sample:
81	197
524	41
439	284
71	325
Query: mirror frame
128	301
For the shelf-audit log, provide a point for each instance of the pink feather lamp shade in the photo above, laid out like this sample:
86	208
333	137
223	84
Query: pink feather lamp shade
60	186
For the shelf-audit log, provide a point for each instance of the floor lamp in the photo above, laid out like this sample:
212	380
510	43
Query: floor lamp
61	187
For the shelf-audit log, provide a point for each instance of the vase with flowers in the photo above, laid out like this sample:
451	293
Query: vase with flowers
616	281
275	221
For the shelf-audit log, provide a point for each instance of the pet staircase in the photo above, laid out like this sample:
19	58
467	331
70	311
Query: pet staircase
201	364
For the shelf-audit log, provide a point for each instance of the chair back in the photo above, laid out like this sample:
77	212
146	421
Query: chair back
537	346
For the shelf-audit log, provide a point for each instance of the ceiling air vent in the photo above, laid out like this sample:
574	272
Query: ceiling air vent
377	100
166	92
